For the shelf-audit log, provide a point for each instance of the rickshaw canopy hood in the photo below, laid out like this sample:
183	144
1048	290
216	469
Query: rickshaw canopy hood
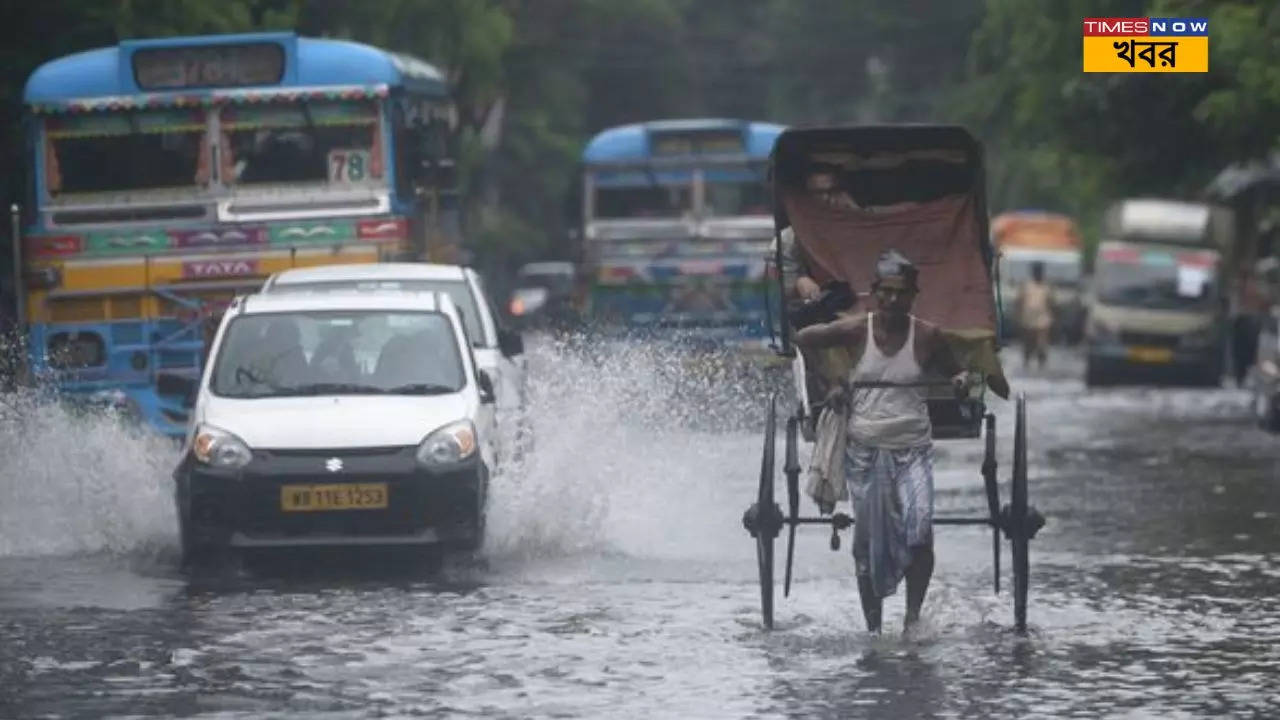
918	189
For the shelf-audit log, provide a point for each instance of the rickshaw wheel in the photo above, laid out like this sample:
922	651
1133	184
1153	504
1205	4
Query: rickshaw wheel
1020	531
768	517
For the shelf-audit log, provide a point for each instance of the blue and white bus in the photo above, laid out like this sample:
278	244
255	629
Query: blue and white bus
168	175
676	223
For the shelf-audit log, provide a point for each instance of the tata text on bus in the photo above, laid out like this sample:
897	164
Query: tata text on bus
169	175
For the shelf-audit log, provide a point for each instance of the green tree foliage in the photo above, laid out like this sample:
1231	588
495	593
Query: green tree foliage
1062	139
533	79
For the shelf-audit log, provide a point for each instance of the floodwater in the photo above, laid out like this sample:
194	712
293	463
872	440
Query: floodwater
619	582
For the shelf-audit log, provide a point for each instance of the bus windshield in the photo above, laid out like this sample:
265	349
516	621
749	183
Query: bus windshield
734	199
333	143
124	151
330	144
652	201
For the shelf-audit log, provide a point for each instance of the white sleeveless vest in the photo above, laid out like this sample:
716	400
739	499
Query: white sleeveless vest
889	417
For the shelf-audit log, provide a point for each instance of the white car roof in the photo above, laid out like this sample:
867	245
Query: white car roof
380	300
369	271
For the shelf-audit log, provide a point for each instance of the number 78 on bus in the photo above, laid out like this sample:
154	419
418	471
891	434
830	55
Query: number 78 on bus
168	176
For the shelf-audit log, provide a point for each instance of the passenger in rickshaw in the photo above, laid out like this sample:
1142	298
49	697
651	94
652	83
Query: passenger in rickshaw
805	296
888	457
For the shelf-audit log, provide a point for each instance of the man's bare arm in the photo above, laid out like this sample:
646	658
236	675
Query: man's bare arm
843	331
941	358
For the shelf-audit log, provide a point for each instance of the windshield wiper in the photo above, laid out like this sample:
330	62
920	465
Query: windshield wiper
242	373
357	388
421	389
337	388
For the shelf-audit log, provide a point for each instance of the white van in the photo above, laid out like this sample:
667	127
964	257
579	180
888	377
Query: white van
334	419
498	352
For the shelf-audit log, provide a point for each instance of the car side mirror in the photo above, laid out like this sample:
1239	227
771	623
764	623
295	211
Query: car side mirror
171	384
511	343
486	387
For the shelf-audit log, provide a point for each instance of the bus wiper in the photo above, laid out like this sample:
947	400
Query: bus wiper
421	389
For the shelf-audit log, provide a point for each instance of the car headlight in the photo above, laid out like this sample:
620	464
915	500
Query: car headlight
218	448
450	444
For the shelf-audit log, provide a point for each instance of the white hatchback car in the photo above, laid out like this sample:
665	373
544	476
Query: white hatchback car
498	352
337	419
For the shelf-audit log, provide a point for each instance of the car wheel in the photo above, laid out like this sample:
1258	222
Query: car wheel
479	519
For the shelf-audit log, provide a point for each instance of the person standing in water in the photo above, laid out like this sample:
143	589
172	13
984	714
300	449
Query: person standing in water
1035	315
889	452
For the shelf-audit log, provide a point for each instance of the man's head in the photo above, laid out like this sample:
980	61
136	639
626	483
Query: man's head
895	284
1037	271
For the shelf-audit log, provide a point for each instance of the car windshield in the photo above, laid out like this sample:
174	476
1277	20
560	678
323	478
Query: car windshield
373	352
457	290
1155	280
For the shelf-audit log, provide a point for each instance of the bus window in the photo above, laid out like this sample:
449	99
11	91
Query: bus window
124	151
643	202
336	143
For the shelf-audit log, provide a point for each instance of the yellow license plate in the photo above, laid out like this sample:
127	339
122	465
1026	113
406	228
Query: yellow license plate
333	496
1151	354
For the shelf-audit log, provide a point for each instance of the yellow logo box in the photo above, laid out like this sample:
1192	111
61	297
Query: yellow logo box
1145	54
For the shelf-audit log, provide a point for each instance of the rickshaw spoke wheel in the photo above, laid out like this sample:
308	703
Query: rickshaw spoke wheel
768	517
1020	530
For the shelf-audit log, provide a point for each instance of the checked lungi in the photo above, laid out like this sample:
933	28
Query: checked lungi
892	494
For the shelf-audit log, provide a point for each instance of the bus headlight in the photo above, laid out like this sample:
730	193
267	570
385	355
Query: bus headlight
218	448
452	443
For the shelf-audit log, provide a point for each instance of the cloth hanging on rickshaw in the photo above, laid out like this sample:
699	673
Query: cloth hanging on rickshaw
939	236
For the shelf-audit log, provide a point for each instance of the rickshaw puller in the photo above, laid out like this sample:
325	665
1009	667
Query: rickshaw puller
889	452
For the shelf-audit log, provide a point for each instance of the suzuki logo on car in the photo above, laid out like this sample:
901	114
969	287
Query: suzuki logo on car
333	464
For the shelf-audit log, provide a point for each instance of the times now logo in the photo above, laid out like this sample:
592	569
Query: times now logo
1159	27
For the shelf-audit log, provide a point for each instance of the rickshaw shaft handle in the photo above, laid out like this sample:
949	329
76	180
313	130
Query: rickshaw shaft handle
936	521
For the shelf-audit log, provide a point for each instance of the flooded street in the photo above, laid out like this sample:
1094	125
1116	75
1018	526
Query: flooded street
619	582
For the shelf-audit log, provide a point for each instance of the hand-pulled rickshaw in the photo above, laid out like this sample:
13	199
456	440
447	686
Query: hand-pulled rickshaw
918	189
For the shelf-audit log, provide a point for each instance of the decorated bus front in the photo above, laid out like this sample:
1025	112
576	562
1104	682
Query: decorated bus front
170	175
676	227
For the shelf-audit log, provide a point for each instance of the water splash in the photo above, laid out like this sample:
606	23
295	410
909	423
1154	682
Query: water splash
78	481
624	458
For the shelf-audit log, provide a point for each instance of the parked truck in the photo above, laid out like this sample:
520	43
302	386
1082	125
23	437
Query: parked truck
1159	299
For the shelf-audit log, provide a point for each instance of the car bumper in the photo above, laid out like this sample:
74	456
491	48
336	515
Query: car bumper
244	508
